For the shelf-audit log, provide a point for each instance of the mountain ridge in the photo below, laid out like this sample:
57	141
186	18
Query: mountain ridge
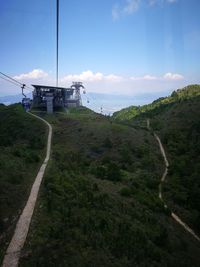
178	95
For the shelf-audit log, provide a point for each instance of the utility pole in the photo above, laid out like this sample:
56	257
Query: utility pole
57	41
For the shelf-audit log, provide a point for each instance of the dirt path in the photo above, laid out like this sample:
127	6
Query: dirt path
173	215
166	165
12	255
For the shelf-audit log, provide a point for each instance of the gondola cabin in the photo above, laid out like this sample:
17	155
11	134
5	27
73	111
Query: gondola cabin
26	103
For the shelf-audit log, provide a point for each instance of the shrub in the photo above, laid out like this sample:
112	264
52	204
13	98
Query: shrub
113	172
107	143
125	192
100	171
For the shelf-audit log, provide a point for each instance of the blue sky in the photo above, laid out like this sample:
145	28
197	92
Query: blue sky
120	47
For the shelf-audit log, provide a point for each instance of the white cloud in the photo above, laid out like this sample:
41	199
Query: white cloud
144	78
113	78
173	77
168	76
34	74
129	7
85	76
130	85
160	2
106	83
150	78
89	76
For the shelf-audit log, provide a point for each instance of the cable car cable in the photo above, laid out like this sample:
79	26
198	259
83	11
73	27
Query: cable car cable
10	78
9	81
15	82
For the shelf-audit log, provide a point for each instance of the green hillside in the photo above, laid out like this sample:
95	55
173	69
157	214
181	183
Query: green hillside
180	95
177	120
99	204
22	144
179	129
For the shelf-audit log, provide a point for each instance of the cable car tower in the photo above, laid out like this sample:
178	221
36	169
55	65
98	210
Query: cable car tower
77	91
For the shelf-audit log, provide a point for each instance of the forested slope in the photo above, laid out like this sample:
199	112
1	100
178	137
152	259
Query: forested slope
99	204
177	120
22	146
180	95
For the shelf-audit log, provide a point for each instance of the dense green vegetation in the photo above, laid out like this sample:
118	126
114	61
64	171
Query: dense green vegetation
179	128
177	120
99	204
22	145
180	95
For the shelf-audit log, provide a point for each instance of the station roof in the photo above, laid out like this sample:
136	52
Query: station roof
50	87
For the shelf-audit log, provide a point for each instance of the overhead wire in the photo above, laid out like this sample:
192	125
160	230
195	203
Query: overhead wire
14	81
9	81
10	78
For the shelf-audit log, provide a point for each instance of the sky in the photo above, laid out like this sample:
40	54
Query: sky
133	50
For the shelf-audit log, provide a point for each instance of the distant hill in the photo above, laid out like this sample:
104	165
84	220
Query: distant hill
177	120
177	96
12	99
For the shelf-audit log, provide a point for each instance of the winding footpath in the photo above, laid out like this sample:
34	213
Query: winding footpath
173	215
12	255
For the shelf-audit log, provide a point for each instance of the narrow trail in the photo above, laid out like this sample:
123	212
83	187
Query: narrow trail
173	215
12	255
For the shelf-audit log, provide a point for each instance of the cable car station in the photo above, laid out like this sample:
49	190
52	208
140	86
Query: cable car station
50	97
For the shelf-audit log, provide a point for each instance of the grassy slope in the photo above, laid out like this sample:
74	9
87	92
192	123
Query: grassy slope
179	128
136	111
22	144
99	204
178	123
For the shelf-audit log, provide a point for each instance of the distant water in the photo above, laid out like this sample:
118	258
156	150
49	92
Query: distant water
112	103
109	103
